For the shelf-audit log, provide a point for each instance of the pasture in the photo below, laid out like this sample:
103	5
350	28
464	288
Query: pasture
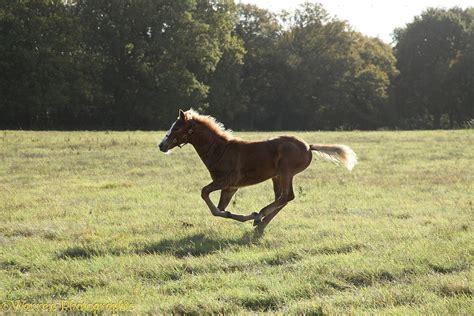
104	217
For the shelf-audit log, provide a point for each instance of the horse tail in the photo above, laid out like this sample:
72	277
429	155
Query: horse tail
340	154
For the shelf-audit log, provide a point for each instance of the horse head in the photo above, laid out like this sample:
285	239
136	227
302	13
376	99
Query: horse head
179	132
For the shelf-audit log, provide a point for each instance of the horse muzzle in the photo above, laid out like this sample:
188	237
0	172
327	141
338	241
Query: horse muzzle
168	144
164	147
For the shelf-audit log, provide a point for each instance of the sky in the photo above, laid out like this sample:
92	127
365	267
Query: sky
375	18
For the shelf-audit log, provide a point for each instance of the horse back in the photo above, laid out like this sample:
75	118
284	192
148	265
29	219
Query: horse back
257	161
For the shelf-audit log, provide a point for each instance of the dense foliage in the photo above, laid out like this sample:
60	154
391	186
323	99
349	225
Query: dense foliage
102	64
435	57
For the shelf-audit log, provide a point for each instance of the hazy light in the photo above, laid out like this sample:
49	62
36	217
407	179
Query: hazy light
374	18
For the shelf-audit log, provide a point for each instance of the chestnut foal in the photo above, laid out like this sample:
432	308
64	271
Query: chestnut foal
234	163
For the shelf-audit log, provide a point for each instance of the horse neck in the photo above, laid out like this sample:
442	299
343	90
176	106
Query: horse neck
208	145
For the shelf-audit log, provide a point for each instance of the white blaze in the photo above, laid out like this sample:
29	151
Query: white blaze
168	133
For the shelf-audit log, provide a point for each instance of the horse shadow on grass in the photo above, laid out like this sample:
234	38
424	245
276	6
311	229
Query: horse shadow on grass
192	245
197	245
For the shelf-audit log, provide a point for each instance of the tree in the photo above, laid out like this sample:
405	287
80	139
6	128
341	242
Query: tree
109	64
225	98
156	56
426	51
314	73
37	61
373	71
131	64
319	52
261	74
461	78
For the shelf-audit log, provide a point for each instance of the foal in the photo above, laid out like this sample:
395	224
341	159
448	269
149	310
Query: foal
234	163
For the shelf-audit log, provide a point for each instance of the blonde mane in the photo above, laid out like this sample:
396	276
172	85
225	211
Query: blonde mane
211	123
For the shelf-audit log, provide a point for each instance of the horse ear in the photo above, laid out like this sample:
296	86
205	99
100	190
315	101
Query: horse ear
182	115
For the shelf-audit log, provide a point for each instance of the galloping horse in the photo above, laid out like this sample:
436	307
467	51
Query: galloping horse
234	163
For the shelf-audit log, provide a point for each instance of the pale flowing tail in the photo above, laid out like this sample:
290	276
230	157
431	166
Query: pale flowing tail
340	154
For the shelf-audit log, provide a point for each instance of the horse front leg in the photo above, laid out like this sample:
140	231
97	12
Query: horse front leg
205	196
226	196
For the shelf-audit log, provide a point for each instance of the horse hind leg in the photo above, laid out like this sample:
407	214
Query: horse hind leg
283	188
277	190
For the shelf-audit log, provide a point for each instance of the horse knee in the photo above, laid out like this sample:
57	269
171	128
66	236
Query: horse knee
204	193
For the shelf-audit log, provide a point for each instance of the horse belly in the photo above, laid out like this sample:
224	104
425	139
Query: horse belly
257	170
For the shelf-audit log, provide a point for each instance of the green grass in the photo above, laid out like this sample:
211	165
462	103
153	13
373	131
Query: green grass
98	217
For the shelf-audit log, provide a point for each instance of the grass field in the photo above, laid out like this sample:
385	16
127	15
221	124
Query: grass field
98	217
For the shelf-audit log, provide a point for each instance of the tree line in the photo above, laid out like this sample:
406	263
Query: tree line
130	64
